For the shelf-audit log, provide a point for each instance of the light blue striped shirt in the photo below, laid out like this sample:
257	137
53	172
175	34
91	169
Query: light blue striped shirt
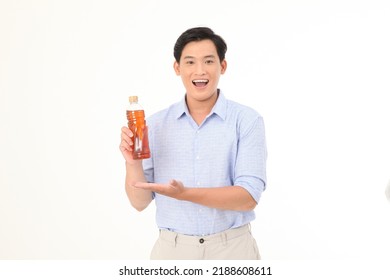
227	149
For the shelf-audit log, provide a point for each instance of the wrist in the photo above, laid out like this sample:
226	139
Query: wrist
185	194
132	163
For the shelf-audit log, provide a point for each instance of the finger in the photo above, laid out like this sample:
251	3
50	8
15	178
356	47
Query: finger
127	131
127	138
125	146
151	187
142	185
173	182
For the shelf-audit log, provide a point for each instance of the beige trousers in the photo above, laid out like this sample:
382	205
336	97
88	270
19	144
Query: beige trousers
232	244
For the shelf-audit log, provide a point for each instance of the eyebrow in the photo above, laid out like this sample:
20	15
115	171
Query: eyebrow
192	57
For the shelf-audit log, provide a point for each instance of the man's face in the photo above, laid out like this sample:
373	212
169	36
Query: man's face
200	70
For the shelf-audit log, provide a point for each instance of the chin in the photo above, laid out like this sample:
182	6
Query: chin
202	94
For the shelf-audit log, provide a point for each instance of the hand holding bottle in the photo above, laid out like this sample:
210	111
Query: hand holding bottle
134	138
126	144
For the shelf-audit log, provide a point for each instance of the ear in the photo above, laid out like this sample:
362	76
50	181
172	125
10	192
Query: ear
176	67
223	66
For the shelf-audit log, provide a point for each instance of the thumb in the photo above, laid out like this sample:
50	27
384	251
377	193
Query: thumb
176	183
173	182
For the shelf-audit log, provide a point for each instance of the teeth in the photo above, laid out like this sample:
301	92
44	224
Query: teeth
200	81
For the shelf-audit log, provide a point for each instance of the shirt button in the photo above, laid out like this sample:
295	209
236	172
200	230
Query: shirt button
201	241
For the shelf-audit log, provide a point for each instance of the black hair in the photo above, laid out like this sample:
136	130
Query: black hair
199	34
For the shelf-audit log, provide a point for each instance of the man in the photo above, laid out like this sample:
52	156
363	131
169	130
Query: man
207	169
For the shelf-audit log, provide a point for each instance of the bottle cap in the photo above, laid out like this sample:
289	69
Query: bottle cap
133	99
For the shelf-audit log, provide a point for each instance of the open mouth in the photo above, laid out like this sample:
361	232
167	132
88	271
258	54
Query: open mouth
200	83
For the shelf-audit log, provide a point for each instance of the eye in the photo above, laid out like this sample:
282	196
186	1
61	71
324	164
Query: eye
189	62
209	61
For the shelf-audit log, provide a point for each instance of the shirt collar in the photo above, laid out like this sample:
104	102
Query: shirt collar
219	108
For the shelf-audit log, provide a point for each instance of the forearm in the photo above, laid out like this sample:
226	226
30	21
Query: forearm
138	198
226	198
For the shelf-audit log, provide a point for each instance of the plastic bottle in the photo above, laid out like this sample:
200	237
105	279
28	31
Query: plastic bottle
137	124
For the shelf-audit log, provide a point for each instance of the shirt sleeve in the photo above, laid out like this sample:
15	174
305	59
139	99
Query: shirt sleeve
250	169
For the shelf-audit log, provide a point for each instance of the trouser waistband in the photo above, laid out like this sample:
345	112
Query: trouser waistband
221	237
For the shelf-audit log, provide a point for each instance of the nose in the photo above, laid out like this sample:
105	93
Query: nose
200	69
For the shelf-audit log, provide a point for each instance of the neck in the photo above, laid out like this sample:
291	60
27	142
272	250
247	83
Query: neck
200	109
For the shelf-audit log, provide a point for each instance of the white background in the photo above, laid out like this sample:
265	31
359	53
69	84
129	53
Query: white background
318	72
